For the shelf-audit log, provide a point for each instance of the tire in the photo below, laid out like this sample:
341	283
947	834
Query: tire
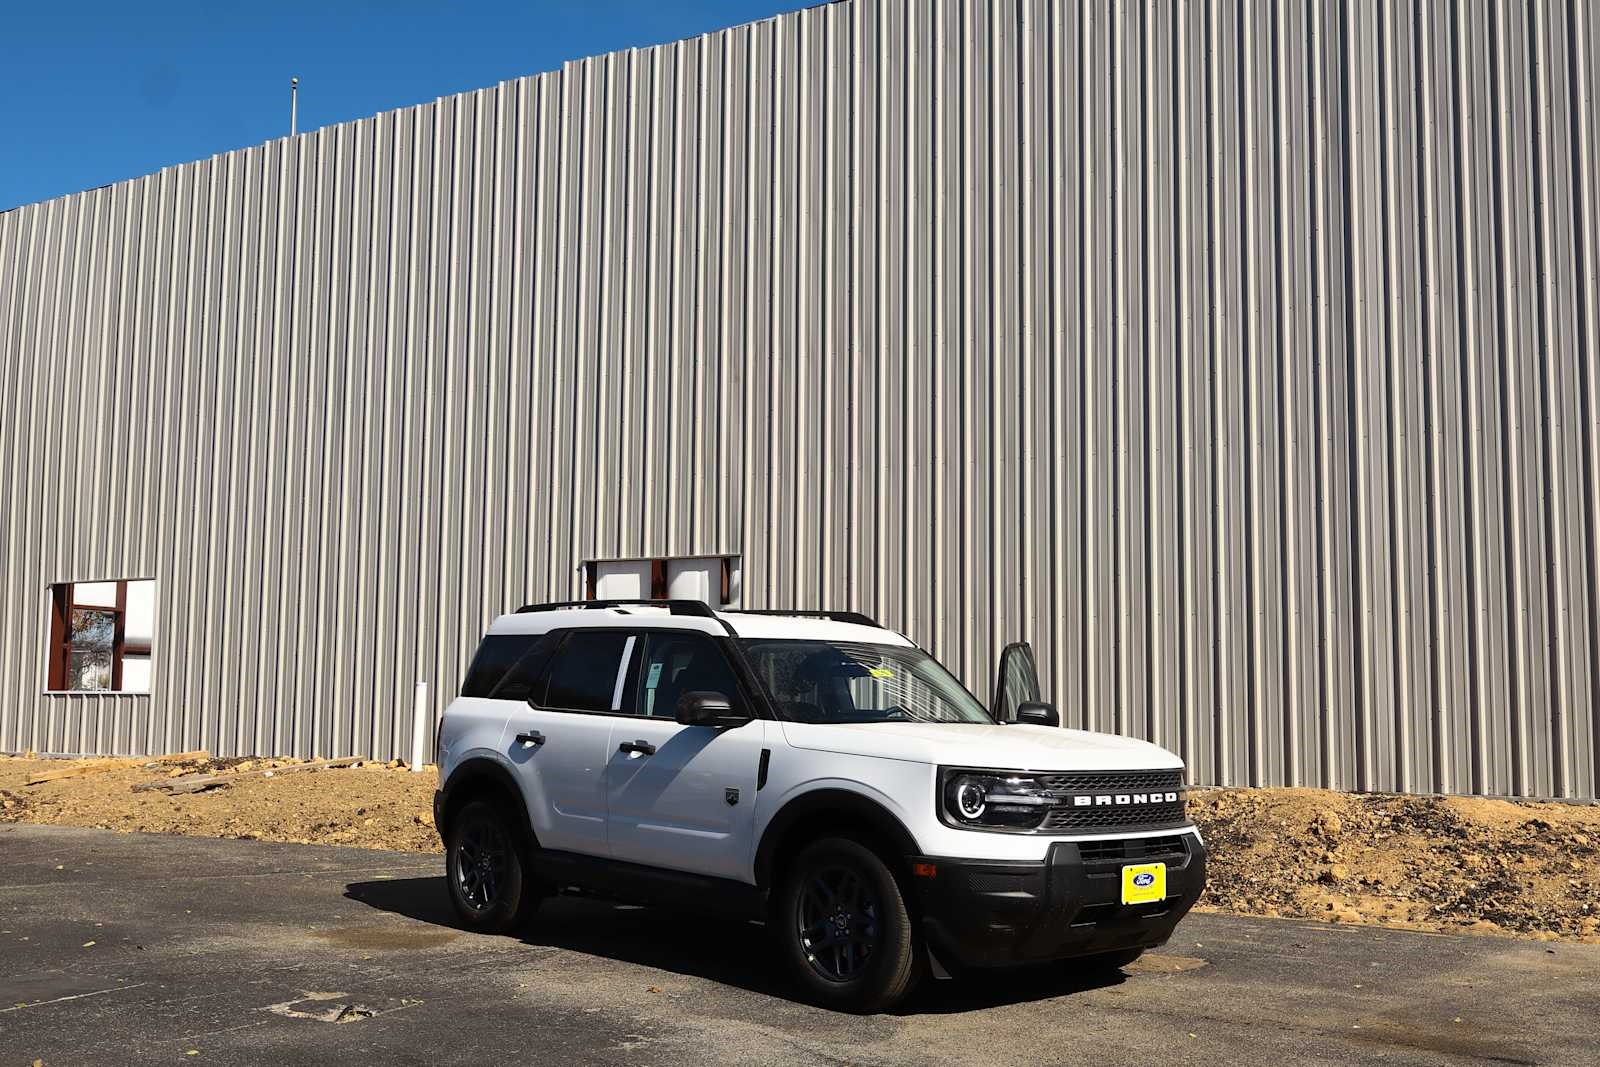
1109	961
487	869
843	928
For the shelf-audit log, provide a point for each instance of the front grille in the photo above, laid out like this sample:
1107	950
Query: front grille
1162	847
1112	781
1148	817
1134	849
1103	851
1098	816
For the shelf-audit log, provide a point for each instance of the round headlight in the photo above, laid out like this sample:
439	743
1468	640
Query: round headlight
988	800
971	798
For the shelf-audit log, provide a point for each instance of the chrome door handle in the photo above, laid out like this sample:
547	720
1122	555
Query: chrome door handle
644	748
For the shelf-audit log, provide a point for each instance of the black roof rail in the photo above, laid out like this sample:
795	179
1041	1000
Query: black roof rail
855	617
697	608
677	607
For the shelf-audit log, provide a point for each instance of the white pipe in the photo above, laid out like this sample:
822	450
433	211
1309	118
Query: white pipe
420	721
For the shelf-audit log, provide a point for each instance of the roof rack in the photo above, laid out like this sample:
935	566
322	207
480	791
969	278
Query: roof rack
854	617
677	607
697	608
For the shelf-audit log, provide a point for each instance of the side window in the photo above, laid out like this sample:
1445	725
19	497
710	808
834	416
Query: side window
584	676
677	663
497	655
526	673
794	672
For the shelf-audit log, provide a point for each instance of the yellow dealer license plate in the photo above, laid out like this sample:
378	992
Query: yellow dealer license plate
1144	882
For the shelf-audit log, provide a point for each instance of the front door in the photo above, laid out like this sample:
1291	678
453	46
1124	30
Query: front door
1017	683
682	797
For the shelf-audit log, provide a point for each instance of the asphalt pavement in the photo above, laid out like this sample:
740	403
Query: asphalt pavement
119	948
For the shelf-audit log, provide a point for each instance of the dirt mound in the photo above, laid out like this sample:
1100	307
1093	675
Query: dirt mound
372	805
1428	862
1437	863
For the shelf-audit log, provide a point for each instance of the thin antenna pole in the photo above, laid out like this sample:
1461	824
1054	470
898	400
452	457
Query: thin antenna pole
294	105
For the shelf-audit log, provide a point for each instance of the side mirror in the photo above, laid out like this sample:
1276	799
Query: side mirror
1038	714
709	709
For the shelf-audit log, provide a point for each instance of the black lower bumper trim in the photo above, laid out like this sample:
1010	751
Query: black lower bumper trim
989	914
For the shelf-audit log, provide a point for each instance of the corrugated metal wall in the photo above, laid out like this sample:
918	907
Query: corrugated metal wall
1243	356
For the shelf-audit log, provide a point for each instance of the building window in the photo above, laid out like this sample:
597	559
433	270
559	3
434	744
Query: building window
712	579
101	636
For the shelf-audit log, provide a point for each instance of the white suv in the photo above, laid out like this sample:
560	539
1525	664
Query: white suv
812	770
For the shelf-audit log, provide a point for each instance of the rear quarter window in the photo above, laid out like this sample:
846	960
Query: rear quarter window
525	675
496	656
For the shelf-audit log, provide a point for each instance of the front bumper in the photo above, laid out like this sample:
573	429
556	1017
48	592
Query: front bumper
984	913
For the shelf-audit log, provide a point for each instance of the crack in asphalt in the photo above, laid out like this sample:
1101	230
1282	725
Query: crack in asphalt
74	996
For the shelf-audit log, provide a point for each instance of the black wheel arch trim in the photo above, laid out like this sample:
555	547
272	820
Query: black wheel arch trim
853	810
480	771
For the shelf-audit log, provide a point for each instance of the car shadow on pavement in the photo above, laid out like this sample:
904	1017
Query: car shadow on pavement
722	950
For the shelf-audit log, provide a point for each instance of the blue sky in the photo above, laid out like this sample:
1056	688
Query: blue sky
95	92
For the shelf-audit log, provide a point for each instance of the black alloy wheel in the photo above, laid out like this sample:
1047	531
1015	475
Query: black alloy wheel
483	855
842	924
837	922
487	868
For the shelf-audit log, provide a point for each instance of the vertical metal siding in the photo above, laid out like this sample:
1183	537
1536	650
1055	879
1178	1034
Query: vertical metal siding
1243	356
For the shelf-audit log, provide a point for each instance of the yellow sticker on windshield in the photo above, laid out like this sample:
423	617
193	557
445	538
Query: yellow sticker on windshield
880	672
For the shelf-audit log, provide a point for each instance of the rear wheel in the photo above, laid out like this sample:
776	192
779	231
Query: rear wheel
486	865
844	929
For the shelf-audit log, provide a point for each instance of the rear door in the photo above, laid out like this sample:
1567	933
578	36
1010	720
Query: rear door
683	797
1017	682
559	737
477	717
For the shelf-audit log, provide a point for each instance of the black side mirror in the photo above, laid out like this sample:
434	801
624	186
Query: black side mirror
709	709
1038	714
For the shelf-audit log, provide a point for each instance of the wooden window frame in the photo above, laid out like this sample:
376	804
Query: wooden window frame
62	606
60	636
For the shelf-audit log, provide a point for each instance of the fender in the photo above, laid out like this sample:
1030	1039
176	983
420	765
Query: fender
854	807
480	770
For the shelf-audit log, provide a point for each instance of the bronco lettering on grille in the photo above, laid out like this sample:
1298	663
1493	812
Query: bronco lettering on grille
1120	799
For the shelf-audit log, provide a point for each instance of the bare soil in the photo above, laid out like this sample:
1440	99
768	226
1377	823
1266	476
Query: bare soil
372	805
1432	863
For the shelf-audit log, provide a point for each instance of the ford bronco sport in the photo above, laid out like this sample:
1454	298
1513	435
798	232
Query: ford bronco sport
811	770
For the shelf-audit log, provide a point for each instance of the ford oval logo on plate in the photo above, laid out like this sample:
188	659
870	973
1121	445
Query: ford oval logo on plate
1144	883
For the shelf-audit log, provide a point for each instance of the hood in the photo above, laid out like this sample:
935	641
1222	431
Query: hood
1015	747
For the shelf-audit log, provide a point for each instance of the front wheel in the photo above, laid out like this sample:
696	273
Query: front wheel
486	864
844	929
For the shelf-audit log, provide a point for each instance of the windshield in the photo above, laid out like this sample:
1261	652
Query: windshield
840	682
